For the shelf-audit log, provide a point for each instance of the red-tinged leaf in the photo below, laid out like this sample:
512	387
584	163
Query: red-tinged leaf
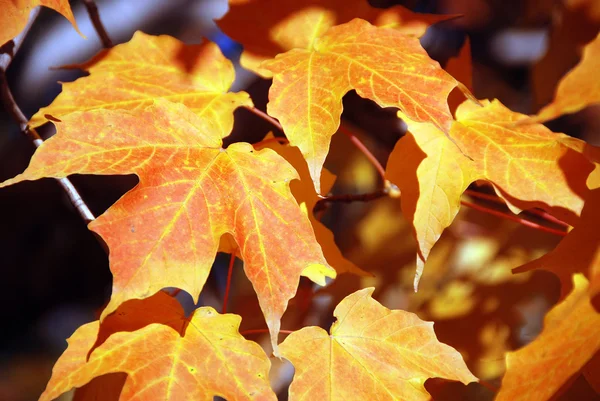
578	89
166	231
576	252
209	359
529	166
15	14
371	353
131	75
568	341
278	26
380	64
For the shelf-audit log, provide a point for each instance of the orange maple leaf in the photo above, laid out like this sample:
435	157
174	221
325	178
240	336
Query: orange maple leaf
15	14
165	232
131	75
380	64
164	361
568	341
578	89
371	353
278	26
529	166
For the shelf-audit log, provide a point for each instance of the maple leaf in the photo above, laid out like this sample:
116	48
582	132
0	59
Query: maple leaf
15	14
131	75
164	361
372	353
281	26
380	64
165	232
569	339
529	166
578	89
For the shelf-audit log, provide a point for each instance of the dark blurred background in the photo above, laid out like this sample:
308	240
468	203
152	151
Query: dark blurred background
54	271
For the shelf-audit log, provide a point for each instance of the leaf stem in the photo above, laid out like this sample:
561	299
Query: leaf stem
511	217
92	10
257	331
17	115
228	284
540	213
361	146
265	117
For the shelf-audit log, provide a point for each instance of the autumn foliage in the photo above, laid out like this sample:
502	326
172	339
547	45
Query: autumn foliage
160	109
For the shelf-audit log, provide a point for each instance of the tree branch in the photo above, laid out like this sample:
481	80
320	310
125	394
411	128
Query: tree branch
17	115
92	10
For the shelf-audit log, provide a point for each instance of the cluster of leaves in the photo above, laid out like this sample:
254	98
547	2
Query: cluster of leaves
160	109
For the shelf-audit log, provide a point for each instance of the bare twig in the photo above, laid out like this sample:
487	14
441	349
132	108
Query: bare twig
265	117
513	218
540	213
92	10
322	203
17	114
361	146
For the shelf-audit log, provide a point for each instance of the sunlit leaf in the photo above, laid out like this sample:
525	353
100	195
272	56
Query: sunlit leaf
278	26
569	339
380	64
130	76
166	231
208	358
371	353
529	166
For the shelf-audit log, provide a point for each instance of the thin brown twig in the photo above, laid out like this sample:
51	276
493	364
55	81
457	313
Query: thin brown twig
92	10
17	114
348	198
